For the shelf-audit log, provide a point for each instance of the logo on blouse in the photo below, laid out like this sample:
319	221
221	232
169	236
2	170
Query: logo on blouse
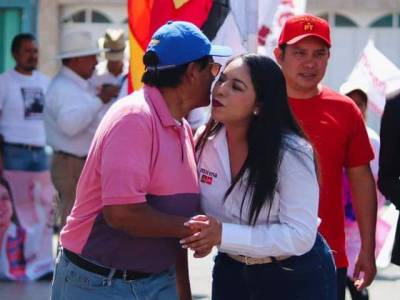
207	176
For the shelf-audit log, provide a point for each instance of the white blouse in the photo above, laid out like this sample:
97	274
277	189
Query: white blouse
293	219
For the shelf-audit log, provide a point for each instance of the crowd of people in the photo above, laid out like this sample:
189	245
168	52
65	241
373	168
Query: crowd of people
279	179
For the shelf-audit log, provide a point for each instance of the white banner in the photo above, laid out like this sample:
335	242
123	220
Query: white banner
376	74
272	16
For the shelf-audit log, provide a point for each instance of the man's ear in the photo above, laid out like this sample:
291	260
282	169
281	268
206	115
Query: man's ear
278	55
192	71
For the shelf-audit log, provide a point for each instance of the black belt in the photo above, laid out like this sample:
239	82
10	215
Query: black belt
25	146
103	271
70	154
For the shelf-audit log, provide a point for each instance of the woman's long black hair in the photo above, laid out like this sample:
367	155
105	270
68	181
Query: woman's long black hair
265	137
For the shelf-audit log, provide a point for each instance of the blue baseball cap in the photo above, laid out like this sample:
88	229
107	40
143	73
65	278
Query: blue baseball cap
179	42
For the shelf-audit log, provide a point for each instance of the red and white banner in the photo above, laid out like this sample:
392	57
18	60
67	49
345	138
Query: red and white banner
272	16
375	73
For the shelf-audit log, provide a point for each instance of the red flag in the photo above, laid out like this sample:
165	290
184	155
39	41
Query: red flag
145	16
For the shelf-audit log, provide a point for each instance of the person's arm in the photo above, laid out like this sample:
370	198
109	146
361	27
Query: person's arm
363	193
142	220
182	276
296	231
127	157
389	158
74	110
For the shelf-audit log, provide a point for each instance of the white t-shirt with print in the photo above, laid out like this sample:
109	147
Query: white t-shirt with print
21	106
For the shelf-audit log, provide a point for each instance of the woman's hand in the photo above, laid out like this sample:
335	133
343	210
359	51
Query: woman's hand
208	235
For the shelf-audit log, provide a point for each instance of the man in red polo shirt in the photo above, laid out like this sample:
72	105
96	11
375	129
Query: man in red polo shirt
335	127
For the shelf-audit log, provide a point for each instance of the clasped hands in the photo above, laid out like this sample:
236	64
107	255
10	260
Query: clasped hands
207	234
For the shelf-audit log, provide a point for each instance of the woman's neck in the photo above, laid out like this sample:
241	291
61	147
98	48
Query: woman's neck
236	133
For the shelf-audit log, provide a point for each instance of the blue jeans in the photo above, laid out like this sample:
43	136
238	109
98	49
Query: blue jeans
73	283
22	159
310	276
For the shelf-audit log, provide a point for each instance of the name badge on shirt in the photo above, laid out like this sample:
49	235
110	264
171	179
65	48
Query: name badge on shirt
207	176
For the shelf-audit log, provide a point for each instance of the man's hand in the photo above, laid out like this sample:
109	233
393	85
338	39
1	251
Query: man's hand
108	92
366	266
208	235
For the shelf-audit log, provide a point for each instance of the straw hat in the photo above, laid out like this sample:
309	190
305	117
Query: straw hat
77	44
114	41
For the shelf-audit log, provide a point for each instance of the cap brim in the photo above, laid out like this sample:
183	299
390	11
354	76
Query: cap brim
79	53
220	51
303	36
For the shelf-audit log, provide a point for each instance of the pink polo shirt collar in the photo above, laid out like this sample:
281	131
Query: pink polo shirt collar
156	98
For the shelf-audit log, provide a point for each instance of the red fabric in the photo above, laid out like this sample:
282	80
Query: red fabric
336	129
139	20
15	253
146	16
195	11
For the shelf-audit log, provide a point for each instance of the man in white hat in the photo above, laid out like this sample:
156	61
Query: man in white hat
72	114
113	70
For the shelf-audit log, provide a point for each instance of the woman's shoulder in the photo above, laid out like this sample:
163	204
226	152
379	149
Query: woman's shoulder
293	142
297	155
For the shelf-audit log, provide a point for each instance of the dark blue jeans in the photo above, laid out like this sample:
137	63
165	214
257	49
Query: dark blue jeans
22	159
311	276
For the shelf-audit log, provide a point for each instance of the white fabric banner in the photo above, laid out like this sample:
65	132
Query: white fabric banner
272	16
376	74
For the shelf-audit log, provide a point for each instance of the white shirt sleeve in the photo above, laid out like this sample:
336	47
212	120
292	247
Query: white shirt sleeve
73	113
298	196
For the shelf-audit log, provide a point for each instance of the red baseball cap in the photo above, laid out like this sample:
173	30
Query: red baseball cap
299	27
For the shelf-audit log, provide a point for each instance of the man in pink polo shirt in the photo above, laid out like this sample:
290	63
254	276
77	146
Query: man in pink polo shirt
139	184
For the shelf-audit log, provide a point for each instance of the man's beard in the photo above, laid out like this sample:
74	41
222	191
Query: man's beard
29	68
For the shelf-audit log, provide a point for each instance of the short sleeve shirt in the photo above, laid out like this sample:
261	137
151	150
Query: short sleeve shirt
21	104
139	154
335	127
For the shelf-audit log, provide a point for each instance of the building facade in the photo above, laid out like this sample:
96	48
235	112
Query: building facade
57	17
16	16
353	23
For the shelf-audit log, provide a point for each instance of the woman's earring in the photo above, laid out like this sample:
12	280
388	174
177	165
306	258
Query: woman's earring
255	112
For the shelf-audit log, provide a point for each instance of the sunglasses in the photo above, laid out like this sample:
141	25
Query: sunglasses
215	68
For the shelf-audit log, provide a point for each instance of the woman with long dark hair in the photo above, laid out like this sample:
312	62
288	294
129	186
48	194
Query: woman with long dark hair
259	191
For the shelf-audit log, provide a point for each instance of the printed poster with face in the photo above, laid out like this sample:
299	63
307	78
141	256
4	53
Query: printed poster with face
33	98
26	218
